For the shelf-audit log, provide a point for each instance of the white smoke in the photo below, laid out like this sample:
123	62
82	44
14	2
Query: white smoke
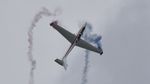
91	38
37	17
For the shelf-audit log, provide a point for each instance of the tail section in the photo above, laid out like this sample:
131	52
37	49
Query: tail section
62	63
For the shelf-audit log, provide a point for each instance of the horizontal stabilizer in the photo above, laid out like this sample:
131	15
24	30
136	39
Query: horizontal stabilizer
62	63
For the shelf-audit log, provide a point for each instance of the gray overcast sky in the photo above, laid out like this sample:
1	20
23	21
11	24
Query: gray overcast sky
124	25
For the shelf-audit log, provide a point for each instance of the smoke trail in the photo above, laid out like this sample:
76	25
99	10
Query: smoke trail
92	39
37	17
86	68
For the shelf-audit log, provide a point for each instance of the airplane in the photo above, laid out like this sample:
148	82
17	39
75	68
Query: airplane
75	40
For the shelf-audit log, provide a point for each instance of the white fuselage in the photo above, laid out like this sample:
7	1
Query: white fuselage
77	38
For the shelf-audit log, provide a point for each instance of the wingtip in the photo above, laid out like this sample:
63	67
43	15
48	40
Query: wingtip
101	53
54	22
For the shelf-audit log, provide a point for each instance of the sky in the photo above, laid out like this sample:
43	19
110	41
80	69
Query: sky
123	24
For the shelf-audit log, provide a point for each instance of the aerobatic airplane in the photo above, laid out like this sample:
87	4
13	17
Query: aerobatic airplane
75	40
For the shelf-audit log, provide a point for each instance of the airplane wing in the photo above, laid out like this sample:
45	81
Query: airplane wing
83	44
69	36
